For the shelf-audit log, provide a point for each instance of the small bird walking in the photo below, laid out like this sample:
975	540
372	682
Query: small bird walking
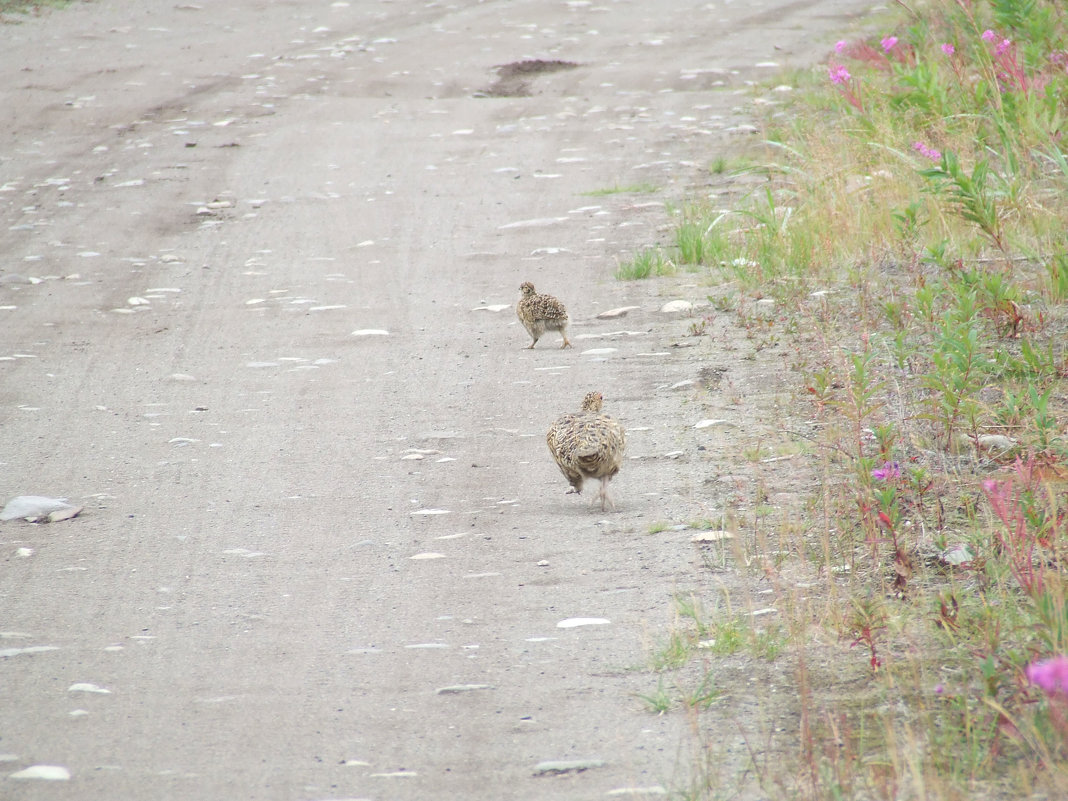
541	313
588	444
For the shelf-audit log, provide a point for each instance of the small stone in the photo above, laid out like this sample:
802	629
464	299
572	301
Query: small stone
996	443
85	687
598	351
6	653
957	555
31	507
456	689
712	536
64	514
622	311
371	332
558	766
46	772
676	307
711	422
574	622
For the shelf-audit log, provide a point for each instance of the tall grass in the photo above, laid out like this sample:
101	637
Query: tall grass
923	177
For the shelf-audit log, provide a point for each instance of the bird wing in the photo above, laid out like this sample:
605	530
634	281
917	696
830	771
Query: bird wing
546	307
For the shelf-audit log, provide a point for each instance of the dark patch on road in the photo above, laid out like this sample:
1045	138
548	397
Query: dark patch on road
513	79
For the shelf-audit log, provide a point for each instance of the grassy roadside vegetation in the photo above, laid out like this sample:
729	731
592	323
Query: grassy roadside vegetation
29	6
908	216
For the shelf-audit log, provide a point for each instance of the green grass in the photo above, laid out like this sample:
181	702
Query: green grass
30	6
925	197
628	189
645	264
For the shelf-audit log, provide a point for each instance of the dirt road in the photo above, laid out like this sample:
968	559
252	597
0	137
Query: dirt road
319	564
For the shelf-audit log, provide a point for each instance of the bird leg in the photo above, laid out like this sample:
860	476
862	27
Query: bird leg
604	497
567	343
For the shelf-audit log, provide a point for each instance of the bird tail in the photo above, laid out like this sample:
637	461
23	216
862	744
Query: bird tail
589	459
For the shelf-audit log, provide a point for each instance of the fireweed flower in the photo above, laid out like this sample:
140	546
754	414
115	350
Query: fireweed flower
838	74
1003	45
948	49
840	45
989	36
930	152
1050	674
888	43
887	471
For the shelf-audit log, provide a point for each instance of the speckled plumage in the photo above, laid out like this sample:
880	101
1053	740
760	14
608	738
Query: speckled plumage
588	444
541	313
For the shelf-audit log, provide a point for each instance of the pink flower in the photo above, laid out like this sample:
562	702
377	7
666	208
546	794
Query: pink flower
840	45
930	152
1003	45
838	74
948	49
887	471
888	43
989	36
1050	674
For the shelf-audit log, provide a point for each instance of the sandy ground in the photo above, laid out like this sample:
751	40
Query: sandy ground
319	565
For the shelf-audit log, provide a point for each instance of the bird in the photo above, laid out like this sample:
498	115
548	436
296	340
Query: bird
588	444
541	313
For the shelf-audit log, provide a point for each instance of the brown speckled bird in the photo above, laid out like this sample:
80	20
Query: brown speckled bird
541	313
588	444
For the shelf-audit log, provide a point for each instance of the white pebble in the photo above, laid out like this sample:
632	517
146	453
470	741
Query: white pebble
85	687
622	311
709	423
494	307
673	306
712	536
47	772
573	622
